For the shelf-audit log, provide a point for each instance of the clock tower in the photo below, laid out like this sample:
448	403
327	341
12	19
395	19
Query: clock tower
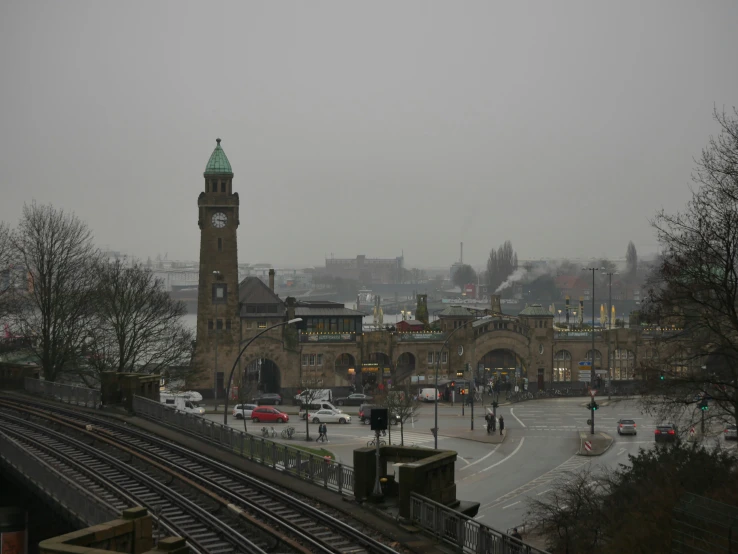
218	318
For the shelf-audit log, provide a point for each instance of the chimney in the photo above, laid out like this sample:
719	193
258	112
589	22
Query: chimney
494	304
421	310
290	302
567	310
271	280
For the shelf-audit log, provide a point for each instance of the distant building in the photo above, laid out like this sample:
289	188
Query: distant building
410	326
365	270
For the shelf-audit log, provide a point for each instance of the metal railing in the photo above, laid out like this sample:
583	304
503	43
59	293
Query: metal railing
69	495
71	394
463	532
282	457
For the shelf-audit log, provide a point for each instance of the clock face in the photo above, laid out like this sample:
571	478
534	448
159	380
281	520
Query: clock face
540	348
219	220
461	350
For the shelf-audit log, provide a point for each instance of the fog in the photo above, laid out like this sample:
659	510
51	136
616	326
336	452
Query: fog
364	128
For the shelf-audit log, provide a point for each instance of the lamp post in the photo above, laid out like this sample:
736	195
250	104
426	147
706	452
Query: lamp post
218	297
559	318
592	372
609	321
230	377
438	362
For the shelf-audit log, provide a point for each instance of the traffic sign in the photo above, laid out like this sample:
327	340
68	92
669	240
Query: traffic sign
585	364
691	431
592	392
588	446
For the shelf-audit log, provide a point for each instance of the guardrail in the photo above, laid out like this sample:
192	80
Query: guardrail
69	495
282	457
71	394
463	532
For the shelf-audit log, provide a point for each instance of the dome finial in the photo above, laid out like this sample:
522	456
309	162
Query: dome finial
218	141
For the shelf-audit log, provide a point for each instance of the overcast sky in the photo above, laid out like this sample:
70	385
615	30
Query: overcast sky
364	127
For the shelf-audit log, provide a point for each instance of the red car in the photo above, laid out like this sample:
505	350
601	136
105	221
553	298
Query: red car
268	414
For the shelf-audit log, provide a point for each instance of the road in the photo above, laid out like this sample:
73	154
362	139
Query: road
540	446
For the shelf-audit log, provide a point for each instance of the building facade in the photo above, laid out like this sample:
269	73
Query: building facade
331	346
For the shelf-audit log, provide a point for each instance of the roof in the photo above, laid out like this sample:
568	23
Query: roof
411	322
456	311
536	310
218	162
252	290
304	311
569	282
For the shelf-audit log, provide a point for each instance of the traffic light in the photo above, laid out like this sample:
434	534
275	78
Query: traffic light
453	384
703	405
592	405
661	377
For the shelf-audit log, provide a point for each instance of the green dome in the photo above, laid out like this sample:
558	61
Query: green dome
218	162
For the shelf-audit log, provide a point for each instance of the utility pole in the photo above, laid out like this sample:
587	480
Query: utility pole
592	372
609	322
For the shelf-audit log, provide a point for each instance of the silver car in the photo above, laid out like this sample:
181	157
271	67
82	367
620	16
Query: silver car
627	427
731	432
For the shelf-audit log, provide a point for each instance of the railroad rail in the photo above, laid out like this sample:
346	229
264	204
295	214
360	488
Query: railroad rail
298	524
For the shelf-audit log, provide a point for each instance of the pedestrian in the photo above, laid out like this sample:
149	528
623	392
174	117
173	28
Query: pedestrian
517	535
487	418
321	438
325	433
502	424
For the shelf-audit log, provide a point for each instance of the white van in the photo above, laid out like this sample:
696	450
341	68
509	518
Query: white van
315	395
315	406
181	402
427	395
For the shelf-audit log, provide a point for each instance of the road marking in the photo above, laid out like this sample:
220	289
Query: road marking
621	451
573	463
544	492
482	459
510	505
498	463
516	417
464	460
479	517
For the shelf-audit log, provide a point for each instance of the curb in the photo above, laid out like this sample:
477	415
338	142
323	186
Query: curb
597	451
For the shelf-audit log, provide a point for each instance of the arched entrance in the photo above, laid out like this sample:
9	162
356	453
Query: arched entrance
266	374
500	364
375	371
345	370
405	367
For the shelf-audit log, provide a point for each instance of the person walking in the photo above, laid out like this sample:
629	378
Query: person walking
487	418
502	424
516	534
321	438
325	433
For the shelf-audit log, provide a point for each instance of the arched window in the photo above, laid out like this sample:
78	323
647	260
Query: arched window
622	362
597	358
562	366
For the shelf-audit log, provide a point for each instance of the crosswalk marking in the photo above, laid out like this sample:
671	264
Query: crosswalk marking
410	438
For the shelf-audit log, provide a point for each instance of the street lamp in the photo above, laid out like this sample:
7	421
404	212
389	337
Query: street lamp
559	318
218	298
438	361
230	377
592	370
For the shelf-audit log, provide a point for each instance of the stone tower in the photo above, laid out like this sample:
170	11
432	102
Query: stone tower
421	310
218	320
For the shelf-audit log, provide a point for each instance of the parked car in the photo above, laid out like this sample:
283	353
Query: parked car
241	411
315	395
365	414
314	407
268	398
328	416
356	399
627	427
665	433
429	395
731	432
268	415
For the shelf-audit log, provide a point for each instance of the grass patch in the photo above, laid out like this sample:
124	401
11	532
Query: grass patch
322	452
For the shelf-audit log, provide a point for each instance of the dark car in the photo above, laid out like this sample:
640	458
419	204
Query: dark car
356	399
665	433
268	398
365	414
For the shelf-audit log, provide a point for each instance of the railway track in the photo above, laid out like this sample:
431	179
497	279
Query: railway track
298	523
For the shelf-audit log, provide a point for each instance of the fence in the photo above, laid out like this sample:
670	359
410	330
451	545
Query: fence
71	394
295	461
69	495
463	532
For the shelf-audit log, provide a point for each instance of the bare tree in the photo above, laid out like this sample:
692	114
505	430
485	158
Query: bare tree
695	287
405	407
500	265
56	250
137	325
7	275
311	385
